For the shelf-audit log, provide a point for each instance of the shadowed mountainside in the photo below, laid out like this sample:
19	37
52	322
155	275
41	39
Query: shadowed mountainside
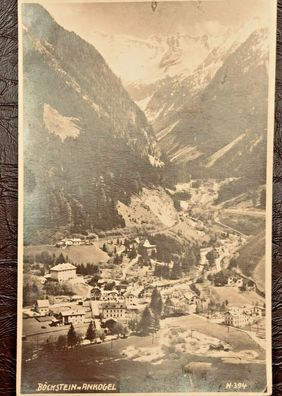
87	144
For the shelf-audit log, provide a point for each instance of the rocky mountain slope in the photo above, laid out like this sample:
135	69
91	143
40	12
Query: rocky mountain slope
87	144
209	109
221	130
175	62
212	122
152	58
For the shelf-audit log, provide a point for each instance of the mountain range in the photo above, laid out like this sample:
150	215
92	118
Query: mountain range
225	121
211	120
186	106
87	144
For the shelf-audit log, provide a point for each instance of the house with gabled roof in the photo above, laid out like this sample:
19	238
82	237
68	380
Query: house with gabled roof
110	296
63	272
42	307
74	316
148	247
114	310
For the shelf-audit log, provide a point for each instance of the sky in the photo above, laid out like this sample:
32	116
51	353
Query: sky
132	31
138	19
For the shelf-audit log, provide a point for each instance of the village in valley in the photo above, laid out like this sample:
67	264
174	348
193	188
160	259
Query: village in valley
143	287
143	254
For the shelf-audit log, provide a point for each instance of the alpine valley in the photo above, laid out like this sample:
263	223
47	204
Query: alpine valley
144	199
177	136
201	96
88	144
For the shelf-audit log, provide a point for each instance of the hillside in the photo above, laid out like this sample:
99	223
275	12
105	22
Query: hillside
75	254
251	259
87	144
221	131
209	110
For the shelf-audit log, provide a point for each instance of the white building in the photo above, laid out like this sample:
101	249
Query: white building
110	296
146	292
63	272
114	310
69	316
259	310
236	320
203	256
192	298
131	297
148	247
95	309
77	241
71	242
42	307
234	281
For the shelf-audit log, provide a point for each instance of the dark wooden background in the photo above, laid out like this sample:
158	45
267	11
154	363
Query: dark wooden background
8	202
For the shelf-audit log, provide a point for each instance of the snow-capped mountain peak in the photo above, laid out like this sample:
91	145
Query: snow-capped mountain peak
168	95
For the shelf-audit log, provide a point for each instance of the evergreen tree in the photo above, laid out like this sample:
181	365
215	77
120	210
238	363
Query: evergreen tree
211	257
34	288
61	259
166	272
91	334
31	294
156	323
199	309
185	265
146	324
154	254
132	254
126	243
233	263
116	259
27	300
158	270
168	307
223	307
133	324
176	271
61	342
79	269
72	338
156	304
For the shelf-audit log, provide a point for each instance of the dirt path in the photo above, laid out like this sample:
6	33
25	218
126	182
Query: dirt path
247	212
230	228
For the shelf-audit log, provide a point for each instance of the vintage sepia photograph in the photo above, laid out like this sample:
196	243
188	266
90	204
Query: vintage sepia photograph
146	139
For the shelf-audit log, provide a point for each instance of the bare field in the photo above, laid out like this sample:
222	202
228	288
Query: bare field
235	297
76	254
238	340
246	223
